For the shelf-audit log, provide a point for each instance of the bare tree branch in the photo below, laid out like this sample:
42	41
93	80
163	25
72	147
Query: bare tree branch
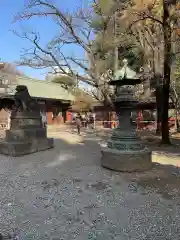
74	30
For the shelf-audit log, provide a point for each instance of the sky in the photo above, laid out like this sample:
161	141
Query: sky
11	46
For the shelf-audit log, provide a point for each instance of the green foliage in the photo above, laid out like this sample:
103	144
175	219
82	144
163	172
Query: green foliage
83	101
177	72
133	54
66	81
105	42
103	7
97	24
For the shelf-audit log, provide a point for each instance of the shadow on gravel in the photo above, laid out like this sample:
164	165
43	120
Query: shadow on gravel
49	173
161	179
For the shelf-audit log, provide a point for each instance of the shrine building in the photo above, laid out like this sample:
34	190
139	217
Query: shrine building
53	99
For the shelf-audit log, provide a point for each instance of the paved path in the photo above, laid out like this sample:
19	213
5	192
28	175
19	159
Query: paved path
65	194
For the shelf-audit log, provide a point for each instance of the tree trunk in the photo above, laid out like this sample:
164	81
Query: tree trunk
164	119
167	73
158	109
157	66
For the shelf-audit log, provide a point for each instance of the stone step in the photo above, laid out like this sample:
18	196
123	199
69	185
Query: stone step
20	148
25	134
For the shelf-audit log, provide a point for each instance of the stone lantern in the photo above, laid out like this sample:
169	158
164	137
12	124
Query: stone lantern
125	151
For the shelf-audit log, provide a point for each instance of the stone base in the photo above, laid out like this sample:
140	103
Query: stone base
124	161
25	134
17	148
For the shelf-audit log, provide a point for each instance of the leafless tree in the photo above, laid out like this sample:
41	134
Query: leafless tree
10	68
74	29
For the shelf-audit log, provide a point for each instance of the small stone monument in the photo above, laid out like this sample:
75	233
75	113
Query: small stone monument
26	134
125	151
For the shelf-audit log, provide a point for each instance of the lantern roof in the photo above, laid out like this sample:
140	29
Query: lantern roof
125	76
125	72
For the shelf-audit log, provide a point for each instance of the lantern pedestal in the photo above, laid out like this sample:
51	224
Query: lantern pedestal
126	161
125	151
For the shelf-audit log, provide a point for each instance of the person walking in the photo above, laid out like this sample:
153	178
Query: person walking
91	121
86	121
43	118
83	117
78	124
94	120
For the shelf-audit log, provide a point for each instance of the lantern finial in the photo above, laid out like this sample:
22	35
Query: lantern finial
125	62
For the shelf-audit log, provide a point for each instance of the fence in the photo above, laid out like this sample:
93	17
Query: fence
140	124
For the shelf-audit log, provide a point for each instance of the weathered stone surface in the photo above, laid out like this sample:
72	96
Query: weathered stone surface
125	151
24	123
25	120
126	161
20	148
22	142
26	134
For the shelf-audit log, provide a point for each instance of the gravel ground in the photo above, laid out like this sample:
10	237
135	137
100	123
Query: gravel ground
64	194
